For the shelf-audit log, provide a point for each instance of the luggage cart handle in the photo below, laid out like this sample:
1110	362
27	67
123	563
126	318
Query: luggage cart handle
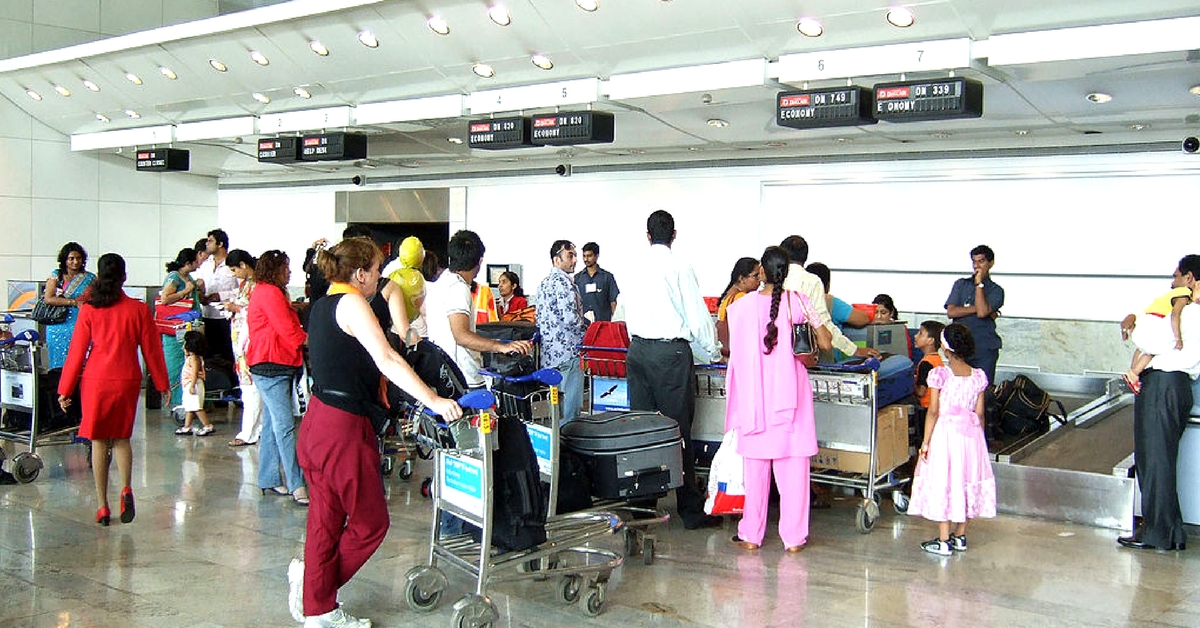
546	377
474	400
610	349
28	335
185	317
716	366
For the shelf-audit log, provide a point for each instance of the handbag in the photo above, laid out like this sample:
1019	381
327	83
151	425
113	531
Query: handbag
726	479
49	314
804	338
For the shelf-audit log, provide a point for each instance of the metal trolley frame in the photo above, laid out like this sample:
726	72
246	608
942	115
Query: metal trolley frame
19	374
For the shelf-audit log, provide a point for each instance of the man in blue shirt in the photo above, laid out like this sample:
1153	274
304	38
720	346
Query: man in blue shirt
976	302
562	325
597	287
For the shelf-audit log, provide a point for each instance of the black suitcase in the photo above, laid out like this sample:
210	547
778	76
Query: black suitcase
627	455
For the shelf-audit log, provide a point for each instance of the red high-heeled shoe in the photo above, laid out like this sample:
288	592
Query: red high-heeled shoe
127	511
103	516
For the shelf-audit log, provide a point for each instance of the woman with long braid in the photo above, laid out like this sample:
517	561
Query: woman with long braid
770	404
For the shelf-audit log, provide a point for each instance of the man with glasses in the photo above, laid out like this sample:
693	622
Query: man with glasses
561	322
976	302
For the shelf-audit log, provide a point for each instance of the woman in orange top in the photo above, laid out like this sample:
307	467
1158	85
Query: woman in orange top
745	278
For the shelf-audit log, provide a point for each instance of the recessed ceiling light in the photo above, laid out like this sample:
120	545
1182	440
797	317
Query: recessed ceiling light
940	135
259	58
588	5
1021	132
133	78
1138	127
318	47
32	94
695	149
636	151
809	27
368	39
217	65
717	123
542	61
776	144
499	14
62	91
102	118
301	92
1195	90
901	17
438	25
842	140
484	70
167	72
261	97
454	140
91	86
1099	97
132	114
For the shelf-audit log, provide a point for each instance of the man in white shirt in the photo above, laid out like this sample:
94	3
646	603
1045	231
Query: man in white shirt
668	320
219	285
810	285
1160	414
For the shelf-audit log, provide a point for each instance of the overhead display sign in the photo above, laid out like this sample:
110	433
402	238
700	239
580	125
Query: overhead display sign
573	127
940	99
499	133
277	149
812	109
163	159
333	147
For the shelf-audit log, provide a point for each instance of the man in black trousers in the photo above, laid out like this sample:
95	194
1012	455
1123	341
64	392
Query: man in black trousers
668	321
1160	414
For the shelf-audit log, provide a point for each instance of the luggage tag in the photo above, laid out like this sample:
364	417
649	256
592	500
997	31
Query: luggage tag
554	395
485	422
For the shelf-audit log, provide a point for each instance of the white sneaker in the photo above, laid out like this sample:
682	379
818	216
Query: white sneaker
937	546
958	543
295	576
336	618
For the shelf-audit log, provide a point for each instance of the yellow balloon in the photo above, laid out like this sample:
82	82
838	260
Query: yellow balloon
412	286
412	252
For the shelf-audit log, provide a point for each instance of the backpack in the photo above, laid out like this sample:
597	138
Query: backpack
1021	407
503	363
519	503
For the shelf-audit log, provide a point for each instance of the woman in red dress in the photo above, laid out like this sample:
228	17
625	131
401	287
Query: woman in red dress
111	329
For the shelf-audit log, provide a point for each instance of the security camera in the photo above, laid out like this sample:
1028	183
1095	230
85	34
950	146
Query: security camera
563	170
1191	144
358	180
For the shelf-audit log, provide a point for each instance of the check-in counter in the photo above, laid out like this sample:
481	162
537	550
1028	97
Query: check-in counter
1188	469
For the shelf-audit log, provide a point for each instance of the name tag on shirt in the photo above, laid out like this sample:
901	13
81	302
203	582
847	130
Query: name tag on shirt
590	288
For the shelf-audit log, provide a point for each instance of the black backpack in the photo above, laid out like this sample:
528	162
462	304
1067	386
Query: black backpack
519	504
1021	407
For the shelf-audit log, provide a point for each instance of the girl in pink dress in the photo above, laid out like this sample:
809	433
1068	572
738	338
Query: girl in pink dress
770	404
954	480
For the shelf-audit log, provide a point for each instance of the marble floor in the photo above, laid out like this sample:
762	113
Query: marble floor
207	550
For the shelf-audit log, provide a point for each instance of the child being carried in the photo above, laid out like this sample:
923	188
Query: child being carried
1151	334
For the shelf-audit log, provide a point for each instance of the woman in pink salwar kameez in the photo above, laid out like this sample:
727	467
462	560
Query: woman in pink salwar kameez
770	404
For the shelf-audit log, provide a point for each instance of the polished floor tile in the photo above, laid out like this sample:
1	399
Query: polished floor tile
207	550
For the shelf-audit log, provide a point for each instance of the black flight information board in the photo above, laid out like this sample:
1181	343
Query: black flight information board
277	149
333	147
573	127
812	109
163	159
499	133
940	99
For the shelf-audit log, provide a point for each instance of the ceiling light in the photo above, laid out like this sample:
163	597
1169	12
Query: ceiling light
91	86
542	61
368	39
776	144
901	17
318	47
454	140
301	92
1099	97
259	58
483	70
217	65
167	72
695	149
62	91
32	94
940	135
588	5
843	140
438	24
809	27
1021	132
1195	90
717	123
499	15
261	97
102	118
1138	127
133	78
132	114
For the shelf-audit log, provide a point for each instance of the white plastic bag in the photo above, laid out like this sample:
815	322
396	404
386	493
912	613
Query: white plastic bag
726	479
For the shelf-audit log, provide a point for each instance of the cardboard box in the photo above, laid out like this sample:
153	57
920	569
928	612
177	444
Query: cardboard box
891	446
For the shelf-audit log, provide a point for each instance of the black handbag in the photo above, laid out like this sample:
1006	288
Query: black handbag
49	314
804	339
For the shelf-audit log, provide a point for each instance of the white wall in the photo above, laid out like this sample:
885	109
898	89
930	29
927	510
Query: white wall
284	219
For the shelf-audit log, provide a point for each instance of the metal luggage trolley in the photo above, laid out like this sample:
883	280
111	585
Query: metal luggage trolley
464	487
19	374
847	425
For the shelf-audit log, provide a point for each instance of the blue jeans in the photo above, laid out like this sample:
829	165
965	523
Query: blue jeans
277	445
571	388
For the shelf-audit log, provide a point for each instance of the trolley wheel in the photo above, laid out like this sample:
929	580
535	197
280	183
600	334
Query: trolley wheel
900	502
387	464
593	604
632	547
474	611
424	588
26	467
406	470
872	495
427	487
569	588
647	551
863	519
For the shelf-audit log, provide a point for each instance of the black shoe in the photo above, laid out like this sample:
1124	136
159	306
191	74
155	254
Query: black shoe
707	521
1134	542
7	478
